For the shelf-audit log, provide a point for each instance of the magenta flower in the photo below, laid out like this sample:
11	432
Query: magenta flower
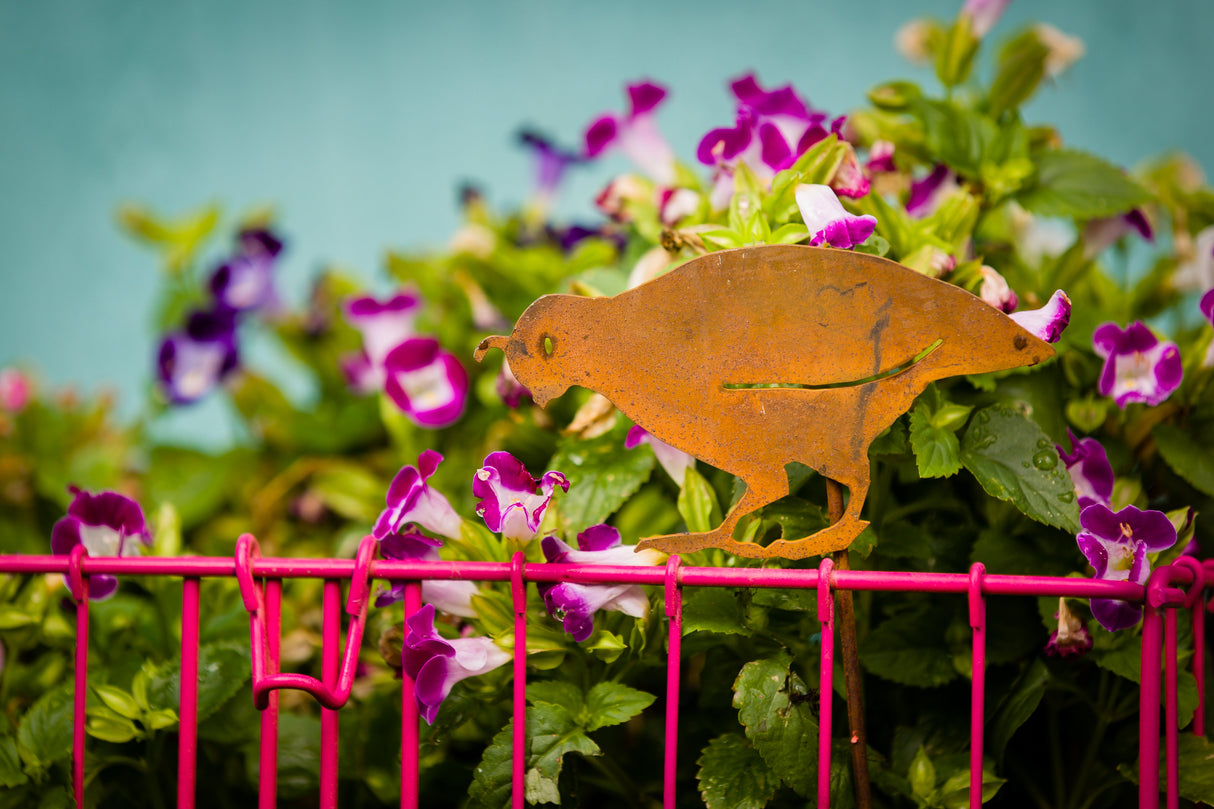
246	281
880	158
1099	234
1048	322
1207	310
575	604
1071	637
16	389
411	500
1138	367
436	664
513	392
1116	544
426	383
192	362
1090	470
827	220
927	194
636	133
983	14
994	290
384	325
551	163
106	524
451	597
674	461
509	503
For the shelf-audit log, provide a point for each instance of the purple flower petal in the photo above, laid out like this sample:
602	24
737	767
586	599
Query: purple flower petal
509	503
995	291
1099	234
880	158
983	14
426	383
551	161
1048	322
191	363
1116	545
1138	367
411	500
246	281
513	392
827	220
927	194
436	664
643	97
674	461
1207	306
1090	471
383	324
636	134
106	524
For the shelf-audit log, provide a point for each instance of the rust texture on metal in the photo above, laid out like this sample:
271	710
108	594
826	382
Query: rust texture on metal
753	358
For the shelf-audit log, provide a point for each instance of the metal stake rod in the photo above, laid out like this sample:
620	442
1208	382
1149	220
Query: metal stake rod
851	660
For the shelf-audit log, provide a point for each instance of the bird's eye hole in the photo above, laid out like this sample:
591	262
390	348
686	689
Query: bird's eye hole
548	345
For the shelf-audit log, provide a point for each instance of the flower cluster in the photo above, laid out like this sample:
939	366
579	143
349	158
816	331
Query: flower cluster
196	358
423	380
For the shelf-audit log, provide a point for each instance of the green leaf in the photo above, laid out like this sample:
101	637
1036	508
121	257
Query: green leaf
1015	461
223	669
490	786
1076	184
955	57
11	772
110	727
610	703
1188	455
1016	707
774	707
936	448
1021	68
922	774
955	136
602	476
733	775
909	648
45	732
955	793
713	609
195	483
553	732
349	490
558	693
118	701
698	503
1196	768
1126	661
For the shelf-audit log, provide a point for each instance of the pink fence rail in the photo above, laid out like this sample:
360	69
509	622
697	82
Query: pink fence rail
1181	585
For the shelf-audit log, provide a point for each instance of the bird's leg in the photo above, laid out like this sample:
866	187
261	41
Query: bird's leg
836	536
758	494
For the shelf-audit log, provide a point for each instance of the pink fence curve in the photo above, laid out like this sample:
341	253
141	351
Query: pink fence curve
1182	585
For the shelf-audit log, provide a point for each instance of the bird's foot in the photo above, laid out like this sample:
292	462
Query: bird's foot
830	539
690	543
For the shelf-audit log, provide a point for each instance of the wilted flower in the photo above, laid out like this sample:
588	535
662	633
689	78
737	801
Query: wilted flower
15	390
384	325
426	383
827	220
509	503
452	597
436	664
194	361
246	281
994	290
411	500
1116	544
575	604
1071	637
1048	322
1090	470
636	133
106	524
1138	367
674	461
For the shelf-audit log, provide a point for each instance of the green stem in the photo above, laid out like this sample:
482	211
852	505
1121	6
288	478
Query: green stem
619	778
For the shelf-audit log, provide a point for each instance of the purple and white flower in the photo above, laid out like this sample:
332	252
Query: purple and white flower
451	597
1197	271
636	133
1071	637
983	14
575	604
1116	544
1207	310
106	524
1090	470
509	503
994	290
436	664
1138	366
1100	234
827	220
880	158
551	162
513	392
246	281
674	461
411	500
384	325
193	361
1050	321
927	193
426	383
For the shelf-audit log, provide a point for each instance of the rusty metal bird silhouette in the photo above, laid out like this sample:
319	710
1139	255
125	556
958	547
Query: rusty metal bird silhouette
753	358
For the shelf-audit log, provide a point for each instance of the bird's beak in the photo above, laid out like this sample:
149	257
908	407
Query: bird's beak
496	341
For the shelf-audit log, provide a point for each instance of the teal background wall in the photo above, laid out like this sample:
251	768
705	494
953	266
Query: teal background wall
359	120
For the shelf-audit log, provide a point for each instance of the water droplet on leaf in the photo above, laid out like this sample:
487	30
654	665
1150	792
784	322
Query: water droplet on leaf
1045	460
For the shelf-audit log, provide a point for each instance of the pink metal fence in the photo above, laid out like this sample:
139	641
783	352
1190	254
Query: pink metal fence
261	579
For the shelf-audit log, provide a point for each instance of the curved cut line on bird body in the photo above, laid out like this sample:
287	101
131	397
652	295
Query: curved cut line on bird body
897	369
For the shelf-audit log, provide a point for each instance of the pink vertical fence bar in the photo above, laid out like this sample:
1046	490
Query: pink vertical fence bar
80	594
674	613
330	663
1148	710
410	740
518	764
267	772
977	609
187	746
1170	711
826	614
